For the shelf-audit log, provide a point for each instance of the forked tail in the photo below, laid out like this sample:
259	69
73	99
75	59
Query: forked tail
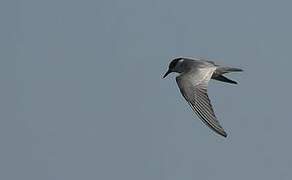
218	74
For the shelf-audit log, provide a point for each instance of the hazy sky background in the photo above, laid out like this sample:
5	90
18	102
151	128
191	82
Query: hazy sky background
82	95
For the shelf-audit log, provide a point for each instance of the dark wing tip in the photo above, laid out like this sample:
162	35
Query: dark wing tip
224	134
218	131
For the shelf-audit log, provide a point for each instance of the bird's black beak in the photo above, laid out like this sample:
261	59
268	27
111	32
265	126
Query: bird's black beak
169	71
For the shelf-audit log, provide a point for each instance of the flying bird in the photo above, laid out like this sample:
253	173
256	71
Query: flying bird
194	76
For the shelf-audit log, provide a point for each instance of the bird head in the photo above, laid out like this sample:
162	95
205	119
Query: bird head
174	66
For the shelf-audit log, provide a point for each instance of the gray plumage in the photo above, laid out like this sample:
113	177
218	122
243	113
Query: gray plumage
194	75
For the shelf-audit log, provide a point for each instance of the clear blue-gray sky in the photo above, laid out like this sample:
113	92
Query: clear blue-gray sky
82	95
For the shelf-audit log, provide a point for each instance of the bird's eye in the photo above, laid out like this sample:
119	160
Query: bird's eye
174	62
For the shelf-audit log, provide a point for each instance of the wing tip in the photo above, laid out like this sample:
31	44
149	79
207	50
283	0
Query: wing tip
224	134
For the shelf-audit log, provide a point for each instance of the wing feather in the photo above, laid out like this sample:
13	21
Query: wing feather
193	86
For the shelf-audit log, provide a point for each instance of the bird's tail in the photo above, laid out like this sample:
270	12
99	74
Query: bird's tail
218	74
223	70
224	79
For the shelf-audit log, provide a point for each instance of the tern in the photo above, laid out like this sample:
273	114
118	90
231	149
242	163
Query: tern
194	76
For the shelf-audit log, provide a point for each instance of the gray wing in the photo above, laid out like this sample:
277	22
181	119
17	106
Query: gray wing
193	86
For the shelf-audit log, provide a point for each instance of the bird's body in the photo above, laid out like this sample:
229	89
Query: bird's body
193	78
